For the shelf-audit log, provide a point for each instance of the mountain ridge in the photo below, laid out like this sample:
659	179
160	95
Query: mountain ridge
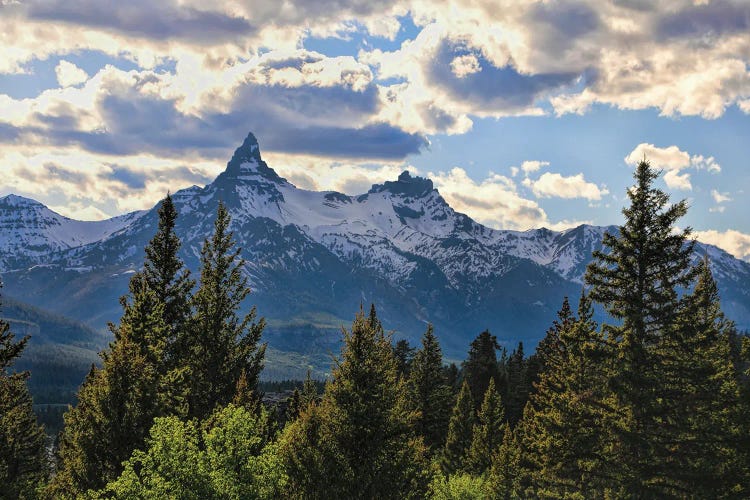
320	254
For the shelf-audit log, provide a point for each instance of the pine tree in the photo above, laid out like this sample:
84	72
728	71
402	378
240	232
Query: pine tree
404	354
221	345
563	425
703	398
165	272
460	428
358	442
486	436
23	460
518	385
481	365
503	482
637	277
117	403
429	394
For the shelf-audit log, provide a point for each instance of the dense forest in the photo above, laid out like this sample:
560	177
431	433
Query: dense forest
653	404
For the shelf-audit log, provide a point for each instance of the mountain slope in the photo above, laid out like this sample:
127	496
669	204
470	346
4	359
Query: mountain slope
314	257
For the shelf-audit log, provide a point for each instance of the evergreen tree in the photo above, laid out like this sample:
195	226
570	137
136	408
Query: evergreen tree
221	345
563	425
117	403
166	274
503	482
486	436
23	461
429	394
637	277
404	354
460	428
481	365
518	385
703	399
358	442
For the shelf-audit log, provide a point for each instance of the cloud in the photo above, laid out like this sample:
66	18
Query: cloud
68	74
734	242
530	166
673	160
494	201
554	185
463	66
720	197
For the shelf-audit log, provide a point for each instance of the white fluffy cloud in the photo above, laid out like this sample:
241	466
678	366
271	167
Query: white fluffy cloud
69	74
720	197
554	185
734	242
494	201
673	161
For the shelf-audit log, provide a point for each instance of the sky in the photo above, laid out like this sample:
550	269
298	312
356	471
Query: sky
524	113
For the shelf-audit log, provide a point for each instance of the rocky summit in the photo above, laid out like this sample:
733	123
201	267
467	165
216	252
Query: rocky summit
314	258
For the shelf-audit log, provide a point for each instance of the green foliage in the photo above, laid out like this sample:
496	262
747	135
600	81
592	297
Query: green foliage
503	481
358	442
23	462
429	394
487	432
219	344
229	456
404	354
481	365
460	429
457	487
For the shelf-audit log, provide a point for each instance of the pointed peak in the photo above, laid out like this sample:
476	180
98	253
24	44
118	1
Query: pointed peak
406	185
15	201
246	160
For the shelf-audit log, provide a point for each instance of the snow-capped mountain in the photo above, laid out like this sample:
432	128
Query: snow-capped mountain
314	257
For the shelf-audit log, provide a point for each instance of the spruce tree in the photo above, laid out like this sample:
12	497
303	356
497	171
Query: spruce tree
429	394
637	277
518	385
117	403
703	398
221	345
503	482
487	432
23	459
564	423
481	365
460	428
166	274
404	356
358	442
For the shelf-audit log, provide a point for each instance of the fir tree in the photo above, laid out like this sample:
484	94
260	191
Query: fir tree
165	273
358	442
637	277
481	365
503	482
487	432
221	345
117	403
429	395
563	425
404	354
460	428
23	460
518	385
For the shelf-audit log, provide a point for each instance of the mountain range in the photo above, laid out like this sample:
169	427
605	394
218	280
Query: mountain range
314	258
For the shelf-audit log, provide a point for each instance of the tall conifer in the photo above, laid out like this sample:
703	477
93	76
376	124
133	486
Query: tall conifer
460	428
488	431
429	394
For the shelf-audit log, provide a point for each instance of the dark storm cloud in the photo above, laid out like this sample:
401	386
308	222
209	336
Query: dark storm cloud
713	19
154	20
491	88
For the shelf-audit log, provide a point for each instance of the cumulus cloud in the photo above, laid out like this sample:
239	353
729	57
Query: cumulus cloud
673	161
734	242
69	74
494	201
720	197
554	185
530	166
